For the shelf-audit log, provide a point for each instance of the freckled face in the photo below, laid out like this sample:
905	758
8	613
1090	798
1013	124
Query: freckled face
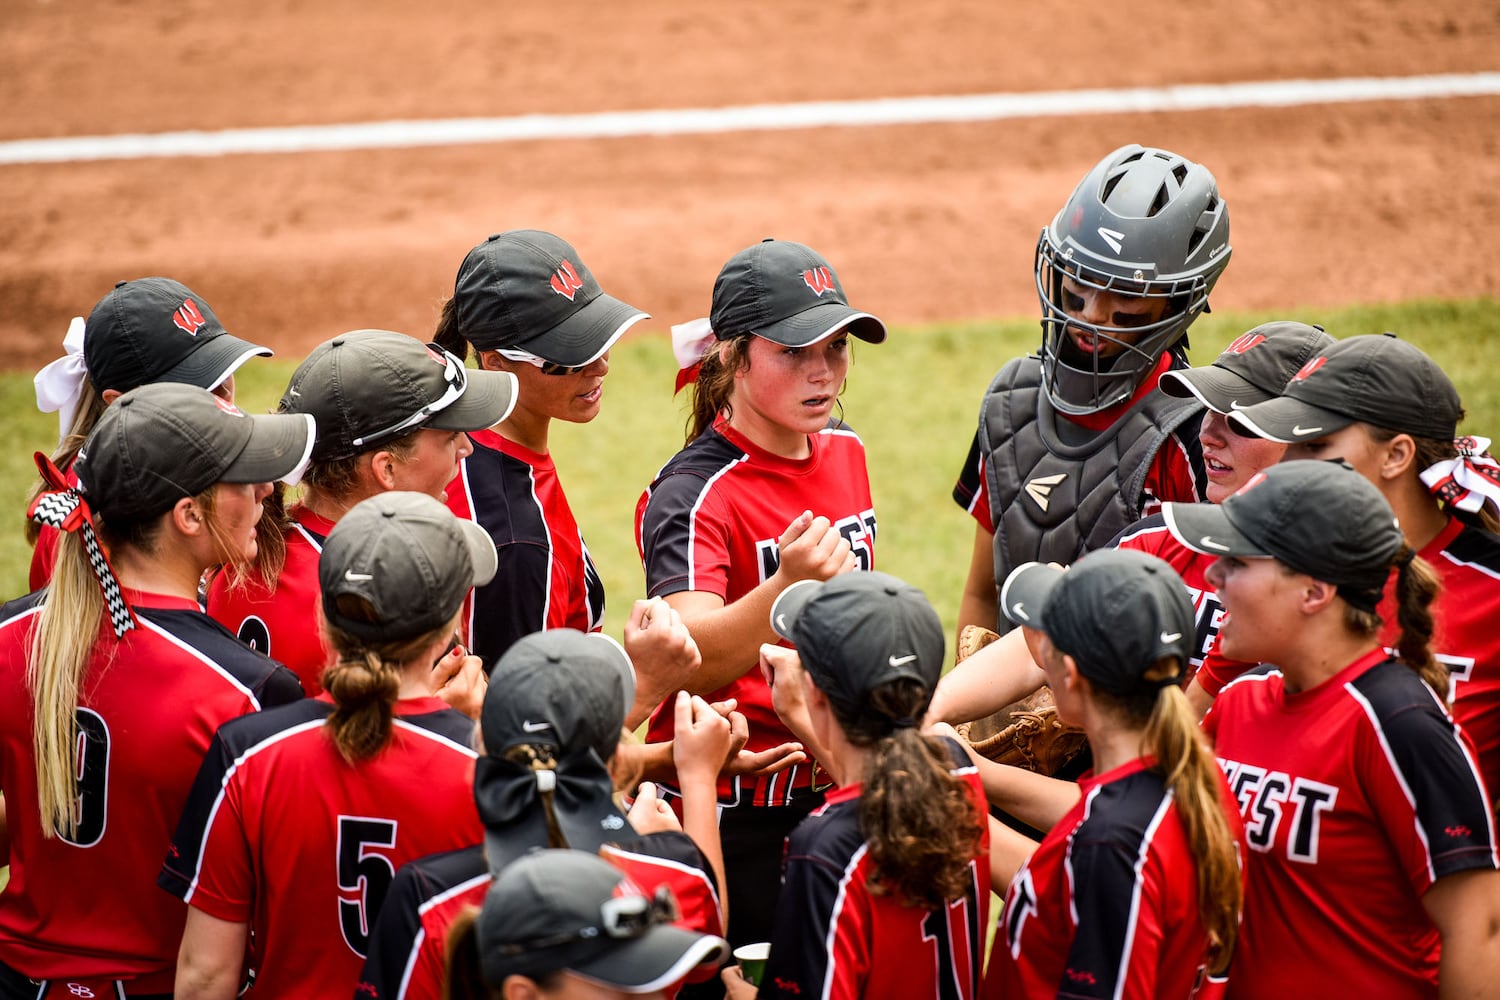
1354	444
783	394
433	462
1259	597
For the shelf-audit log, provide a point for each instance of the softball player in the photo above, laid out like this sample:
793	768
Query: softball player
112	682
1372	868
1136	889
548	779
886	889
298	820
1390	411
771	488
527	305
1253	368
391	414
143	331
565	924
1075	444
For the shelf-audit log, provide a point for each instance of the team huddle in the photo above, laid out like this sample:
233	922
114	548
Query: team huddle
317	703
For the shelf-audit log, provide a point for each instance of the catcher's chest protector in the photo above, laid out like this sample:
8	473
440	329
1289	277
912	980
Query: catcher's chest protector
1052	501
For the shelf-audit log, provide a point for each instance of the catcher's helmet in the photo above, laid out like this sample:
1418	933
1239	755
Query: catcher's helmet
1144	223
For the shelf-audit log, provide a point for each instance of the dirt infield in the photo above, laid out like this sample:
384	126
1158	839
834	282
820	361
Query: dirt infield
1330	204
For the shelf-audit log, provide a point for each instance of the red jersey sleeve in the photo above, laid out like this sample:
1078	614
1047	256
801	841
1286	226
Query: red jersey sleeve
971	491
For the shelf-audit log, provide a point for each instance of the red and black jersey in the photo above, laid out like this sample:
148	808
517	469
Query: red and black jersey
837	939
1107	906
1170	479
406	959
281	621
1466	636
711	521
85	906
546	577
1357	796
281	833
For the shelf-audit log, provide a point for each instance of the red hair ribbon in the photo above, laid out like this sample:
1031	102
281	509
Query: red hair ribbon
63	507
1468	480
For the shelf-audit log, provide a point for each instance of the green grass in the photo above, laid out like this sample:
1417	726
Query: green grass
914	400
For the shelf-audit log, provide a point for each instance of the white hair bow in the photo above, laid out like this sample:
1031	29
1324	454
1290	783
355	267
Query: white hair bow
1467	480
59	386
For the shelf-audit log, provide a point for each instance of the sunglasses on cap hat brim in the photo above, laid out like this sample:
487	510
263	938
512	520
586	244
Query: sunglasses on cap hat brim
457	381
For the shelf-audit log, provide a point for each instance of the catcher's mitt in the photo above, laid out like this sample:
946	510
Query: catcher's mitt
1025	734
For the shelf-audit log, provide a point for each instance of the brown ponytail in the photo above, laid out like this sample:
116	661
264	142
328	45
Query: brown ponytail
1416	589
447	334
716	382
465	978
365	681
1188	767
539	757
921	825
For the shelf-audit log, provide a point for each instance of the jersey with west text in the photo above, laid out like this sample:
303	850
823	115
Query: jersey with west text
85	906
285	835
281	620
711	521
1357	795
1107	906
406	959
546	577
835	938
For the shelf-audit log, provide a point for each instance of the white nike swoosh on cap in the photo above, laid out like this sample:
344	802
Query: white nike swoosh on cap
1301	431
1019	610
896	661
781	623
1234	404
354	577
535	727
1170	636
1209	543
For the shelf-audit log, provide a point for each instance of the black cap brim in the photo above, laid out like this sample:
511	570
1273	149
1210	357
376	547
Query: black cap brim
584	336
788	607
821	321
1287	420
214	361
662	956
279	447
1206	528
488	398
1024	594
1218	389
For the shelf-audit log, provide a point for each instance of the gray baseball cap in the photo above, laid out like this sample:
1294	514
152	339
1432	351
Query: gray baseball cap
159	330
788	294
568	910
1319	518
529	290
859	631
369	387
566	692
164	441
1376	379
1116	612
1255	367
409	559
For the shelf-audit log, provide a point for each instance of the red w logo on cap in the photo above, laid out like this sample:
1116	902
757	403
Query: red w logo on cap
1244	342
819	279
565	280
188	318
1309	368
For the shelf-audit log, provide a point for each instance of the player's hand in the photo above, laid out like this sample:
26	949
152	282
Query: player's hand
812	549
664	654
458	678
754	762
735	985
649	814
701	740
782	669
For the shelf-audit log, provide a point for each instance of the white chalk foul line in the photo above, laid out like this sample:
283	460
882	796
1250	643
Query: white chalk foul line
747	118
